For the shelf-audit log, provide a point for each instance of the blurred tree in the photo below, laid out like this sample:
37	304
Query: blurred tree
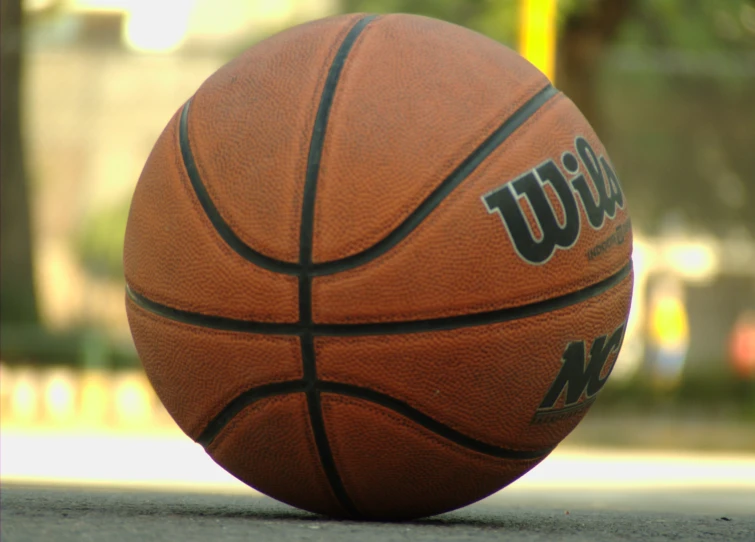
99	241
677	92
17	295
495	18
587	29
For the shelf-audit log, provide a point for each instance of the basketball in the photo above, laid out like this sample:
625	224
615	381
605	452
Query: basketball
378	266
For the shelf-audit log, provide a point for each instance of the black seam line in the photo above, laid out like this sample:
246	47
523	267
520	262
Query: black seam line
470	163
388	328
242	401
393	238
253	395
220	225
429	423
306	234
318	139
212	322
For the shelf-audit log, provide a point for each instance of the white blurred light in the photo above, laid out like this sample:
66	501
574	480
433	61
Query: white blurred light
692	260
24	400
133	399
632	351
156	27
60	396
95	397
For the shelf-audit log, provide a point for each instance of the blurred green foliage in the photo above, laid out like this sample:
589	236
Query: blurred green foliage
692	25
81	346
703	393
676	91
99	242
495	18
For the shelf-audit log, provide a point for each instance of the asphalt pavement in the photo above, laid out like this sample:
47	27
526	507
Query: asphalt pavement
68	514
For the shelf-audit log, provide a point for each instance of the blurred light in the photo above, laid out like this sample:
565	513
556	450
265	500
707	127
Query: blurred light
68	399
632	352
133	399
229	21
59	281
99	5
24	400
693	260
95	397
538	34
60	396
38	5
156	27
230	15
6	385
112	459
634	469
742	345
175	462
669	328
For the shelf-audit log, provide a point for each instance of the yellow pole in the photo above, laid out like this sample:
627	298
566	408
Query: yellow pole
537	34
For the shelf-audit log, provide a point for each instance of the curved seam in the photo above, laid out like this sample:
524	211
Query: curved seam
306	236
254	395
395	236
445	167
384	328
212	212
209	321
394	395
448	443
431	424
240	402
467	166
187	190
200	330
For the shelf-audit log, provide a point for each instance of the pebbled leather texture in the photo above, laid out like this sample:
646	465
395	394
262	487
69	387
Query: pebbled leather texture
197	371
251	126
301	377
173	255
270	446
460	258
484	381
394	469
395	133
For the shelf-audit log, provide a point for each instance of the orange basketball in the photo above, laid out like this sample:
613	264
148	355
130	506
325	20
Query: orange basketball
378	266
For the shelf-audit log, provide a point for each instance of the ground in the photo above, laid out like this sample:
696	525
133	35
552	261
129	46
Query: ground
62	514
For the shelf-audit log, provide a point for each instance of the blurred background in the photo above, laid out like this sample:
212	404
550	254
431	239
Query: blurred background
669	85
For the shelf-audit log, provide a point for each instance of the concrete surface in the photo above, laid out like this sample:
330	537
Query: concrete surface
32	513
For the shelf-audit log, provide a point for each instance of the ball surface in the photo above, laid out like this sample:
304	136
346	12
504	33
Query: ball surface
378	266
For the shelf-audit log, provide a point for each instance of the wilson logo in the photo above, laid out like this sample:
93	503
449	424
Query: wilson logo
580	378
600	197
